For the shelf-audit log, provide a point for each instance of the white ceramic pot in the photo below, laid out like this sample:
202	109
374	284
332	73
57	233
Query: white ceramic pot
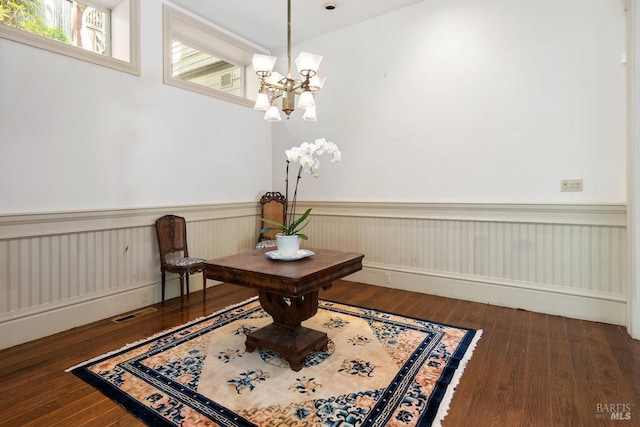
288	246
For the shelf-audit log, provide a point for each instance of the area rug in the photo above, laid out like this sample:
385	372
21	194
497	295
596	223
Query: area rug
380	369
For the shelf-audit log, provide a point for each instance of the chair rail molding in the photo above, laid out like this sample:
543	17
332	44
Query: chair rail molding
577	214
42	224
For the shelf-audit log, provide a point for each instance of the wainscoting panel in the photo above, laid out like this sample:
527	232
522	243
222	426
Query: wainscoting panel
577	257
49	269
61	270
516	247
100	264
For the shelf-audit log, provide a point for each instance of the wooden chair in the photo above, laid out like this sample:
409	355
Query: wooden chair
174	254
272	206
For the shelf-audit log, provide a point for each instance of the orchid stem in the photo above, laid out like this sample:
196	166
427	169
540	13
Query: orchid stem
295	197
286	193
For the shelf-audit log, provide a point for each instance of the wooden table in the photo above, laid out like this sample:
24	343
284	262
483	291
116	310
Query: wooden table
288	291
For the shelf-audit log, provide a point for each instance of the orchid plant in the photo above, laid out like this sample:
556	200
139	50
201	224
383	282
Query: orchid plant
306	155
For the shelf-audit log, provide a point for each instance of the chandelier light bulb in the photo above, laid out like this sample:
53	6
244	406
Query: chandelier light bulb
275	78
262	102
263	64
306	100
272	114
310	115
316	82
308	63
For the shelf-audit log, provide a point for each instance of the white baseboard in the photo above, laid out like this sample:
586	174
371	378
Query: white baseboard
577	304
633	326
39	322
30	325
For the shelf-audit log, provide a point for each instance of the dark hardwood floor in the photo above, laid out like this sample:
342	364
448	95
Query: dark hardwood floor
529	369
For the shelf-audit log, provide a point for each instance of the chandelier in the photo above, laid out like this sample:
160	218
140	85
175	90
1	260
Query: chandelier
274	85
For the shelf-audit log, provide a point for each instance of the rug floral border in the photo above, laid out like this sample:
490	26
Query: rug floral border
419	395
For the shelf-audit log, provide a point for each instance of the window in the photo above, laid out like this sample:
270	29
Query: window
207	60
191	64
104	32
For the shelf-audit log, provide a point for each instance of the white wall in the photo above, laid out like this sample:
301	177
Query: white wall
77	136
633	162
466	101
444	101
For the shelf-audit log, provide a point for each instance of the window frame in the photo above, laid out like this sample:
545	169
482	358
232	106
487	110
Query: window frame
131	67
173	19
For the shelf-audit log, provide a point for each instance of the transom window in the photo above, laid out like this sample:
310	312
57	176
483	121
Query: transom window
205	59
204	69
105	32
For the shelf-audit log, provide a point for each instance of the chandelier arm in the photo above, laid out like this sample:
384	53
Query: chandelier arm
275	86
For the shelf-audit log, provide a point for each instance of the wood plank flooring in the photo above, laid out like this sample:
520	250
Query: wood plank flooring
529	369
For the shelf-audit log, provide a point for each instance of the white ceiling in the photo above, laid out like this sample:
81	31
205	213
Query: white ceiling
264	22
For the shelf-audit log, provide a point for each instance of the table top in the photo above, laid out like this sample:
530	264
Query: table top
289	278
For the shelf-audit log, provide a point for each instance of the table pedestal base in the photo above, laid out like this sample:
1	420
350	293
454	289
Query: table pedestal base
294	345
286	335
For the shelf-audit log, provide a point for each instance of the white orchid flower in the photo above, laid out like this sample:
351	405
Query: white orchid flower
291	156
315	167
308	148
321	146
307	162
307	155
295	154
331	147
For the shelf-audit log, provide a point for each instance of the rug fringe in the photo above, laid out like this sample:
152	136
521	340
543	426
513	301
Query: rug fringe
168	331
443	410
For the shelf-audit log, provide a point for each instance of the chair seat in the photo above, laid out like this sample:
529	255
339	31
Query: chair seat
185	262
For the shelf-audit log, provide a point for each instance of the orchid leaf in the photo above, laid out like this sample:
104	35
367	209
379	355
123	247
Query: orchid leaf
301	219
